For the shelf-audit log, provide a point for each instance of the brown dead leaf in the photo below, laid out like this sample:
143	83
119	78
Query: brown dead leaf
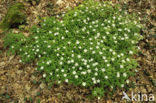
26	34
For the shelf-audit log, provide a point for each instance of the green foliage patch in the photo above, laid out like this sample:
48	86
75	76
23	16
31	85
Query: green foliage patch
91	45
15	15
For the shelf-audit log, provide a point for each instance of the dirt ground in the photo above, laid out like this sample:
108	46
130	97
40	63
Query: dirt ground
21	83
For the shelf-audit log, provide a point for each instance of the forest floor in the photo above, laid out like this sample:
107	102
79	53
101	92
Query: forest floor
21	83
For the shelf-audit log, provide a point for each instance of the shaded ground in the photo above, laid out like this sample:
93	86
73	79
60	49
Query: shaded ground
21	83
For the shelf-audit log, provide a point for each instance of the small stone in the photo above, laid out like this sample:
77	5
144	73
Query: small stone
144	91
109	101
27	87
19	71
69	95
2	64
42	85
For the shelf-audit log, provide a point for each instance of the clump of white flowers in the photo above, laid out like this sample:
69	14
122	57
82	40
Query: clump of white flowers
91	46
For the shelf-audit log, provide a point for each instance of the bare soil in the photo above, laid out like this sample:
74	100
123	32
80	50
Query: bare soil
21	83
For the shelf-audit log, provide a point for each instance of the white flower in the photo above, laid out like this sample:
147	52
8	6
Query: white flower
28	56
95	64
57	70
50	32
106	77
84	73
76	64
121	66
98	81
122	54
127	81
66	31
119	29
108	65
107	32
72	61
138	48
122	38
66	80
37	50
106	60
118	56
48	62
94	81
100	53
124	74
94	29
96	69
62	70
62	38
79	56
135	34
77	42
44	52
76	76
118	74
99	98
115	41
44	75
59	82
57	75
65	75
96	74
36	37
130	52
101	41
122	85
114	37
74	72
104	37
80	68
69	42
84	83
104	57
126	37
80	47
56	33
85	63
98	34
93	52
113	25
42	68
68	62
97	47
61	58
103	70
112	59
127	59
89	71
123	61
61	63
90	39
88	66
39	56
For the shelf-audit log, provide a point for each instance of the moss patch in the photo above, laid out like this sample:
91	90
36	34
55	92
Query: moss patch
14	16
